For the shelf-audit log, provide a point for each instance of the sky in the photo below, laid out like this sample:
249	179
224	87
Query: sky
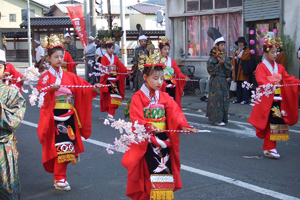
51	2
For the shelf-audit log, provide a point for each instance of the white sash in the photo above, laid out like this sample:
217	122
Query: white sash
269	66
111	60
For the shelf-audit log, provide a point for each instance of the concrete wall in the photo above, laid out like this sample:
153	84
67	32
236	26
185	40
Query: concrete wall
292	28
15	7
137	19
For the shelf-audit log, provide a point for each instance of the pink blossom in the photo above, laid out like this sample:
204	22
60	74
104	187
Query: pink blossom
263	40
252	51
252	42
258	42
275	31
251	32
263	30
258	32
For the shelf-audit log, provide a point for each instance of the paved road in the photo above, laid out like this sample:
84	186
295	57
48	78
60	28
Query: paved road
226	163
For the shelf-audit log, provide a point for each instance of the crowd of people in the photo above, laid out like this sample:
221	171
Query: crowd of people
159	84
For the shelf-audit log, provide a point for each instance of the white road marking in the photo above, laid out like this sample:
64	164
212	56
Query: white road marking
229	180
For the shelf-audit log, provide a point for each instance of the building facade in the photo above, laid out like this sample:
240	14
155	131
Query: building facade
187	22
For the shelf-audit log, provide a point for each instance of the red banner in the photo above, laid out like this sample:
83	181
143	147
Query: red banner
77	18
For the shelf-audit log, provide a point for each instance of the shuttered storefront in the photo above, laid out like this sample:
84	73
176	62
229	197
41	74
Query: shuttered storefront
255	10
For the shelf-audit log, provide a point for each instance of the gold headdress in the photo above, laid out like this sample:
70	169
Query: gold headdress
165	40
152	60
273	42
54	40
108	40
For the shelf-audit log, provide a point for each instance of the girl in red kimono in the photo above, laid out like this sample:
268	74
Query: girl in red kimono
111	97
272	116
158	157
171	70
10	70
61	124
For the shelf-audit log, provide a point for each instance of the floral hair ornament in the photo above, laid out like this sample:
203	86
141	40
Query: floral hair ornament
165	40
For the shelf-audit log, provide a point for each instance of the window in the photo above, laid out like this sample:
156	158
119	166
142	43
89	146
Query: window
235	3
220	4
12	17
193	36
200	44
206	4
24	13
193	5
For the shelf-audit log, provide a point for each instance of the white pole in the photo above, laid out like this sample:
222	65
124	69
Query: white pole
123	41
29	34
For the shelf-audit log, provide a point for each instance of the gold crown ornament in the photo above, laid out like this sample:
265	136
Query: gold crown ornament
273	42
54	40
165	40
109	40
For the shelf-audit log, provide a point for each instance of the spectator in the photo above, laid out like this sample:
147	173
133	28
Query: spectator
281	58
89	54
240	56
116	49
141	49
100	52
97	43
39	56
132	75
204	88
219	68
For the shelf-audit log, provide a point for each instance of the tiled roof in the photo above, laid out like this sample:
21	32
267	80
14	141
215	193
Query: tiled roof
115	10
62	7
146	32
22	32
146	10
14	32
48	21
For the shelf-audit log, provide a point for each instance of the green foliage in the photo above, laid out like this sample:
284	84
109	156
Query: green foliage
288	50
115	32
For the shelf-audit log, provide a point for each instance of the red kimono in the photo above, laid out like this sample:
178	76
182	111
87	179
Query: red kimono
259	117
68	59
46	127
104	93
179	84
15	74
138	177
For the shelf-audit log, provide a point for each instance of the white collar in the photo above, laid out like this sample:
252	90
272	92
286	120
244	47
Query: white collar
56	74
269	66
146	91
111	59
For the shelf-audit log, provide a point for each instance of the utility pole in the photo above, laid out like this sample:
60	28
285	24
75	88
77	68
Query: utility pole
88	33
1	42
93	17
109	16
123	40
29	34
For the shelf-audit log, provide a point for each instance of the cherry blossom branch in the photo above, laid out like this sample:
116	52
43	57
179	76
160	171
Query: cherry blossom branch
263	90
132	133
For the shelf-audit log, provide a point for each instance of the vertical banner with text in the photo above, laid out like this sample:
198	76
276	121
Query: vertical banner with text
77	18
